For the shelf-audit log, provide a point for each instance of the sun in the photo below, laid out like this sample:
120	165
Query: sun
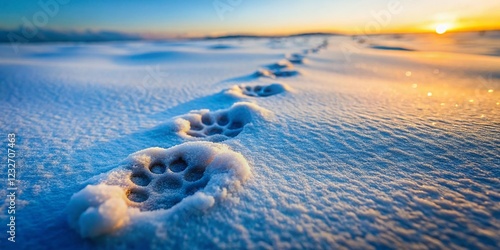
441	28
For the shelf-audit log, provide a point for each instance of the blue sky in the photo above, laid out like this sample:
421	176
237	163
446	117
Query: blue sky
200	17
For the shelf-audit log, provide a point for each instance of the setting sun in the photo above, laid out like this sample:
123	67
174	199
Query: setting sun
441	28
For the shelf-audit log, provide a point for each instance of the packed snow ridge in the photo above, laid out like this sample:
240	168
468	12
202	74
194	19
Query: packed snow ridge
190	176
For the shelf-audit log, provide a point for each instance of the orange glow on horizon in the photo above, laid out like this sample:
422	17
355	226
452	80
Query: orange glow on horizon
441	23
441	28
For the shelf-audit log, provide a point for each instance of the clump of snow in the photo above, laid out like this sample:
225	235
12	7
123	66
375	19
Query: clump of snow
189	176
217	125
257	90
98	210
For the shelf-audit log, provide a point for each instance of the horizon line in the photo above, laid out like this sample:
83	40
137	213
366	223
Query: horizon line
17	36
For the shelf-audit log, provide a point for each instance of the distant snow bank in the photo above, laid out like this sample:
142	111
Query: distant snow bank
190	176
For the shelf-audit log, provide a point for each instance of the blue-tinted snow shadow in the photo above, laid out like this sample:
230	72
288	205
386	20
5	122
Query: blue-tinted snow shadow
157	57
221	47
381	47
155	136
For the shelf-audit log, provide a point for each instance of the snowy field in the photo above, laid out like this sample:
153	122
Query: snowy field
314	142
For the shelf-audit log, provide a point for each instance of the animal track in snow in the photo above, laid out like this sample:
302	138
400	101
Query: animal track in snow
297	58
277	73
160	179
189	176
217	125
281	65
257	90
283	68
323	45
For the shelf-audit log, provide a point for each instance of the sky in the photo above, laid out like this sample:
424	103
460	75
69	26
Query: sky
177	18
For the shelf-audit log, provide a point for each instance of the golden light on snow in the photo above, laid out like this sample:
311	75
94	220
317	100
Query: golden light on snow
414	85
429	93
408	73
490	91
441	28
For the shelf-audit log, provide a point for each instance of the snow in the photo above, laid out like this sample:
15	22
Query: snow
97	210
188	176
218	125
360	148
257	90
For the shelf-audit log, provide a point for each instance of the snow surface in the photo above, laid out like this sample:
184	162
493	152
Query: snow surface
366	148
